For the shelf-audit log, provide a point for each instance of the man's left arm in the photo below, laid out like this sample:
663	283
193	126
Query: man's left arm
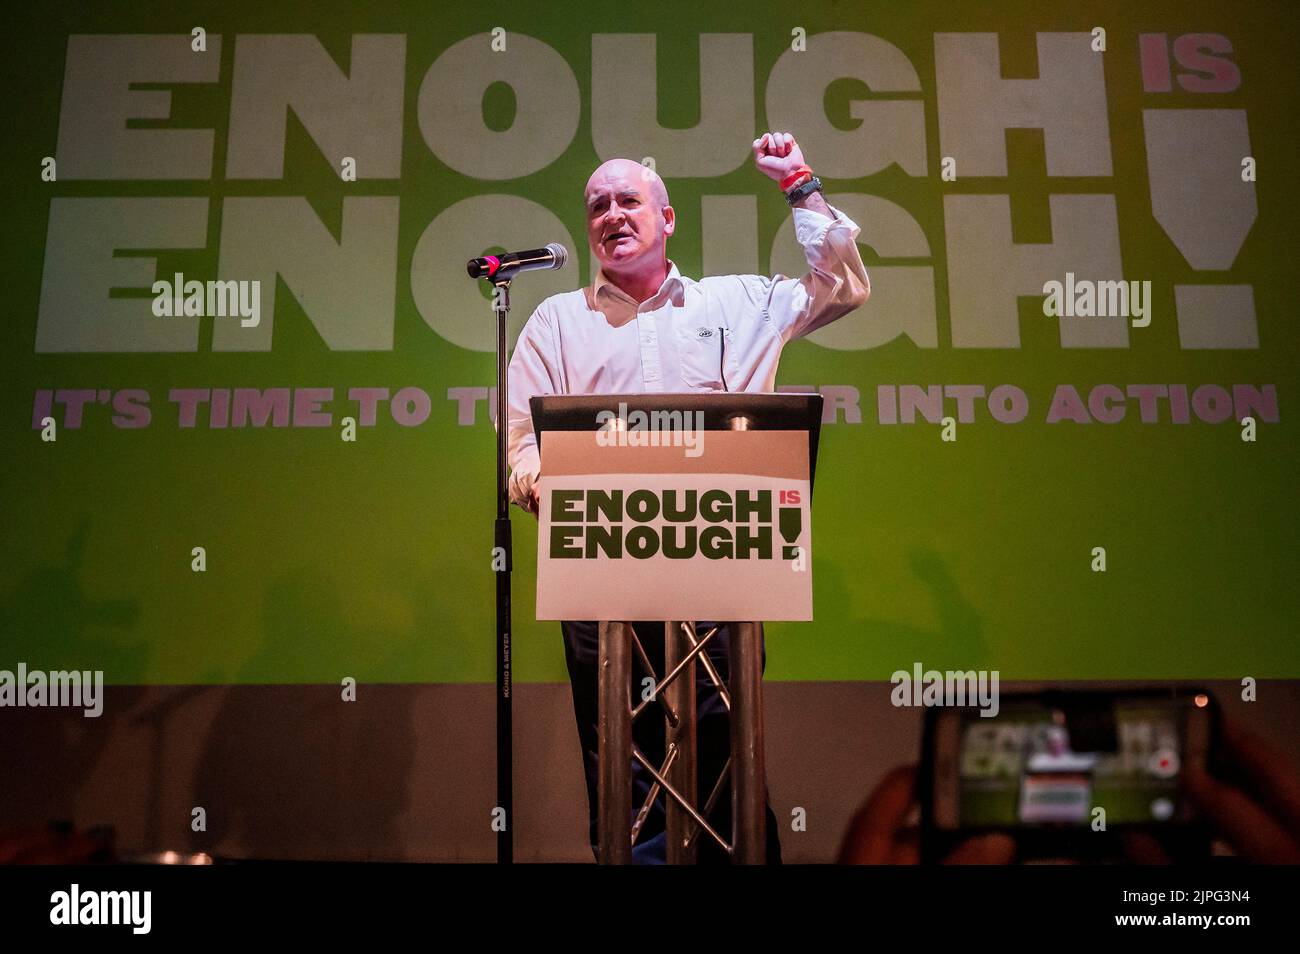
837	281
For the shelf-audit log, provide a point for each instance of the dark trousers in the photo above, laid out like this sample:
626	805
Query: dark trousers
713	736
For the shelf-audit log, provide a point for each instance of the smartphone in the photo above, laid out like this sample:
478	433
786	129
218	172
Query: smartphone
1067	773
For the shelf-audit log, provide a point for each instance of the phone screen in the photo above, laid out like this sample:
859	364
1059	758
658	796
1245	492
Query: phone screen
1041	763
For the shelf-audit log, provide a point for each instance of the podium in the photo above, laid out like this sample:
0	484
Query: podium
677	508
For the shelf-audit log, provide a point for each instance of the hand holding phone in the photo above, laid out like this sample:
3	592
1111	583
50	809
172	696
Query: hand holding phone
1071	775
880	835
1256	807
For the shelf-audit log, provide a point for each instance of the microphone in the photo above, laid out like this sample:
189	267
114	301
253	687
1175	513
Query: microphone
505	266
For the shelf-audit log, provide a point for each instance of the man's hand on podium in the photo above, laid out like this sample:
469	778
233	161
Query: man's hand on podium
534	502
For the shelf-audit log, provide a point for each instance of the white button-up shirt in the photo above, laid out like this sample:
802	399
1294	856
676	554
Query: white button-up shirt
720	333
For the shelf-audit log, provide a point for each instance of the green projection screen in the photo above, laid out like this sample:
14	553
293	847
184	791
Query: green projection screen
349	164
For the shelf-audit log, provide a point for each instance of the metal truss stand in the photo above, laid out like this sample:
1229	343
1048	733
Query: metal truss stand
674	695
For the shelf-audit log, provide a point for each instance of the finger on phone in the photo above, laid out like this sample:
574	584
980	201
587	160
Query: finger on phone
1269	772
870	839
1244	824
994	848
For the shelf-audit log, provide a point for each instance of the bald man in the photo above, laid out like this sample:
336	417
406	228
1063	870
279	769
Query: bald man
641	326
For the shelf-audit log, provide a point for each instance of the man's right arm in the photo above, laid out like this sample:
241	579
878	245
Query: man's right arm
533	371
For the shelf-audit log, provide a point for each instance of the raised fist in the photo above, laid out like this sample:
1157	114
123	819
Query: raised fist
777	155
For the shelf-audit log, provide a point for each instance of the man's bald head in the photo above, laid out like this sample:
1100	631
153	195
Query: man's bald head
620	171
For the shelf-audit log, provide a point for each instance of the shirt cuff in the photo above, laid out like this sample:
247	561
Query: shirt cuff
811	226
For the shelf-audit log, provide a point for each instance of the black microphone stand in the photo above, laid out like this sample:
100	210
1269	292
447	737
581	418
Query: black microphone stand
505	727
500	273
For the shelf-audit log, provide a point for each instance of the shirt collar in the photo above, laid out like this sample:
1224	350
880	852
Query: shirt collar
672	284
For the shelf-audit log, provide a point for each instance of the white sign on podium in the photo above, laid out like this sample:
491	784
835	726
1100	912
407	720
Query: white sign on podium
721	531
